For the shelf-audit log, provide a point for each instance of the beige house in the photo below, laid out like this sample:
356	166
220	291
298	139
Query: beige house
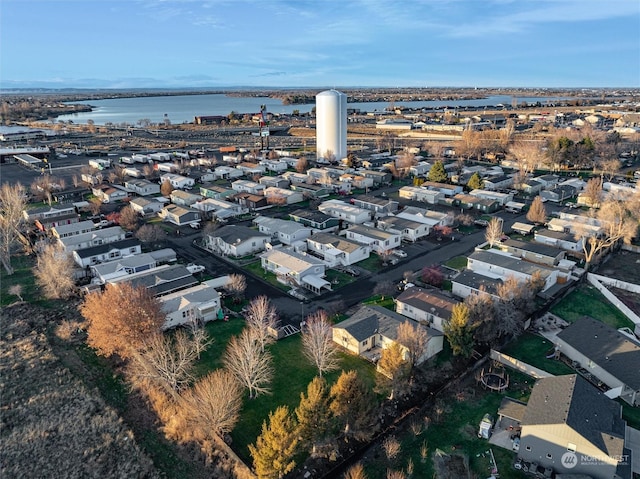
374	328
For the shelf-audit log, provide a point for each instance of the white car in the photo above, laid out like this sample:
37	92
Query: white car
400	253
195	268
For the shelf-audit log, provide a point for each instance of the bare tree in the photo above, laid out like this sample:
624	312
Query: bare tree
317	342
610	168
262	318
493	233
166	188
43	187
54	272
355	472
168	361
537	212
129	218
593	192
618	218
236	286
384	288
464	219
528	156
75	179
12	205
250	365
121	319
413	337
16	290
95	204
151	233
301	165
212	406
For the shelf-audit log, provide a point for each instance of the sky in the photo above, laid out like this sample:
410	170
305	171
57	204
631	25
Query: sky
319	43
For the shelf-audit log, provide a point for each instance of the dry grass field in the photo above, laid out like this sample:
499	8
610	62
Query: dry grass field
52	424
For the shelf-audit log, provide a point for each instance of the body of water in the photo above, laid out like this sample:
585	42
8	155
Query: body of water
183	108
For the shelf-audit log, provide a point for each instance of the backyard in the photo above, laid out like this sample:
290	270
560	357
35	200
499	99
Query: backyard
450	428
586	300
533	350
292	375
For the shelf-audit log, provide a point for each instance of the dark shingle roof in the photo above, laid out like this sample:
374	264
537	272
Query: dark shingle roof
105	248
370	320
572	401
236	234
606	347
537	248
426	300
476	281
165	281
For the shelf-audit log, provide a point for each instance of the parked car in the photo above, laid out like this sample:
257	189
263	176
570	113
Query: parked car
400	253
481	222
351	271
195	268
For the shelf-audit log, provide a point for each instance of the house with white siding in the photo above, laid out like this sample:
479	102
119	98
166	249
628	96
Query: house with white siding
184	198
236	241
409	230
195	305
246	186
344	211
178	181
285	231
179	215
220	209
296	269
92	238
87	256
142	187
337	250
380	241
73	229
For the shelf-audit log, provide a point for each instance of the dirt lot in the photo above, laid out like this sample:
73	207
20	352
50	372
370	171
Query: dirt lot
623	265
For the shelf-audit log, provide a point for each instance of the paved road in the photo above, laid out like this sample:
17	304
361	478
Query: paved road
292	310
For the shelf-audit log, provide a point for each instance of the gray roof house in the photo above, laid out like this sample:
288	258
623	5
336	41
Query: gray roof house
426	306
286	231
606	353
99	253
374	328
160	280
236	240
468	282
337	250
571	427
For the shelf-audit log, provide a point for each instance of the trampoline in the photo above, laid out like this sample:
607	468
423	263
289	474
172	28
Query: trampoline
495	379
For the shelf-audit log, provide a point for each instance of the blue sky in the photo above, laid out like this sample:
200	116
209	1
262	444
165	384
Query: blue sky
317	43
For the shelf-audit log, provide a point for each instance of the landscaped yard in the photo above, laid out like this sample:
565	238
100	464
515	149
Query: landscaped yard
257	270
372	263
533	349
293	374
588	301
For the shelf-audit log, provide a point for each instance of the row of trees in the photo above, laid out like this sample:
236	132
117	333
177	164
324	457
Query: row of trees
347	409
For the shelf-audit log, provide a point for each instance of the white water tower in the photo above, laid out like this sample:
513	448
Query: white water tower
331	124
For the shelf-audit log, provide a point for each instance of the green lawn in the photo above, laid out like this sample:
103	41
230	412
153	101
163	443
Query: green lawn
256	269
532	349
458	263
372	263
293	374
588	301
23	276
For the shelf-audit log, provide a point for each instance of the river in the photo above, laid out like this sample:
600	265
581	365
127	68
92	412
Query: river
183	108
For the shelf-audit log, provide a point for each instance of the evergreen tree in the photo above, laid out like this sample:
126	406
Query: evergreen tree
313	413
276	446
353	403
437	173
459	331
475	182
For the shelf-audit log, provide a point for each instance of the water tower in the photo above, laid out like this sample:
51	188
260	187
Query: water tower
331	125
